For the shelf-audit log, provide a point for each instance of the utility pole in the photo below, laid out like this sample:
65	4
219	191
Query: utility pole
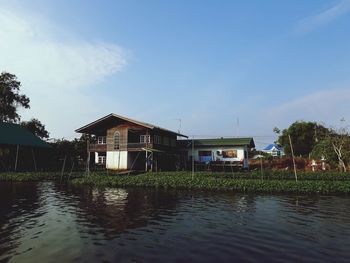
291	148
87	171
192	157
16	158
261	166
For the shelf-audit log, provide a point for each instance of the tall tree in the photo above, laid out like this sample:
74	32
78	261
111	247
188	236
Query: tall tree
36	127
340	142
335	147
304	135
10	98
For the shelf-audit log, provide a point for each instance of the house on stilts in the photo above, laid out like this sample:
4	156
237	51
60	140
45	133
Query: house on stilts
121	143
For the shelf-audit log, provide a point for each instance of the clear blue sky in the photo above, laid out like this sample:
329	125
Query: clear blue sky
267	63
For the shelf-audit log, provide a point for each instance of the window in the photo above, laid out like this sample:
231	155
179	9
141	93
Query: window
157	139
102	159
204	153
116	140
166	141
145	139
205	156
101	140
229	154
172	142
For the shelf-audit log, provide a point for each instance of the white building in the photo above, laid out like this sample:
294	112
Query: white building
221	151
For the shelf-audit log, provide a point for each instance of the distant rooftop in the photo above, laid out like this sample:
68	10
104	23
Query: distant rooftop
271	146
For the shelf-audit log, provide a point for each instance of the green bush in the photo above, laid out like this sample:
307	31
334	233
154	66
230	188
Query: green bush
269	182
34	177
216	182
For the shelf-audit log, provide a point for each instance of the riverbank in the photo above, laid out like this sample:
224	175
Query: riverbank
37	176
253	182
218	182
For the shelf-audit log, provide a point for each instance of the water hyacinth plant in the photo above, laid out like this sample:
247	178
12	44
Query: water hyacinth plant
267	182
243	182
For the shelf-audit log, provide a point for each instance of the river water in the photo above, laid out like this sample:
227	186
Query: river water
46	222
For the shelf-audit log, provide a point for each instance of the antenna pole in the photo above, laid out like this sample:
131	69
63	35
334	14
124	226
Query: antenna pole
179	130
192	157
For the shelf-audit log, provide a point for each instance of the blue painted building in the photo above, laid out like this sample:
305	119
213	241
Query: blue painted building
274	150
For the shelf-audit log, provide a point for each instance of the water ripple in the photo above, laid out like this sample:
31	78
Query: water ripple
46	222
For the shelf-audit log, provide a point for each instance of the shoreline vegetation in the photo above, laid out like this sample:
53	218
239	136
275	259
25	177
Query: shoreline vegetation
246	182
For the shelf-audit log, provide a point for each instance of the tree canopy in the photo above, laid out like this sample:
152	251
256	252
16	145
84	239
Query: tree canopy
10	98
304	135
335	148
36	127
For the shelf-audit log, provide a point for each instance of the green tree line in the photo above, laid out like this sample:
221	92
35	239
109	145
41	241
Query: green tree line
316	141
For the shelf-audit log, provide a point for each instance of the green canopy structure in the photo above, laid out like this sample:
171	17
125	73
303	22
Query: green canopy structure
15	135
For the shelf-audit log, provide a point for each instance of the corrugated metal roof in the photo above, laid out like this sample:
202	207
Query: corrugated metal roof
14	134
219	142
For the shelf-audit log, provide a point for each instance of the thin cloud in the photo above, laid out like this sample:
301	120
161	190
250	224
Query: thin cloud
327	106
324	17
55	66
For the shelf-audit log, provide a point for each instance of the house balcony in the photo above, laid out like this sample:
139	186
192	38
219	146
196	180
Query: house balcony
137	146
94	147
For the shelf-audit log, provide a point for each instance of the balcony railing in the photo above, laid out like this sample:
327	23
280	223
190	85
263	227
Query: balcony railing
136	145
94	147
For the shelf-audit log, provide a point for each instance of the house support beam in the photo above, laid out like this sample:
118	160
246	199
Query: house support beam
146	161
149	161
34	160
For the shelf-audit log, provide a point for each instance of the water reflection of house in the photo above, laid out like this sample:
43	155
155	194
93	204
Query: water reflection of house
116	210
220	151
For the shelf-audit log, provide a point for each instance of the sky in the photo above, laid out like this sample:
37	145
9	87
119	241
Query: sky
225	68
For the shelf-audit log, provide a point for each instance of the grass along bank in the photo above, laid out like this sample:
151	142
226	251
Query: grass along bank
37	176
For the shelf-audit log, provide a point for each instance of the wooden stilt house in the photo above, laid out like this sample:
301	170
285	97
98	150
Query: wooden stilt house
121	143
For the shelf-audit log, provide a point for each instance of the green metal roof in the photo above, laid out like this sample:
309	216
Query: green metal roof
220	142
14	134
